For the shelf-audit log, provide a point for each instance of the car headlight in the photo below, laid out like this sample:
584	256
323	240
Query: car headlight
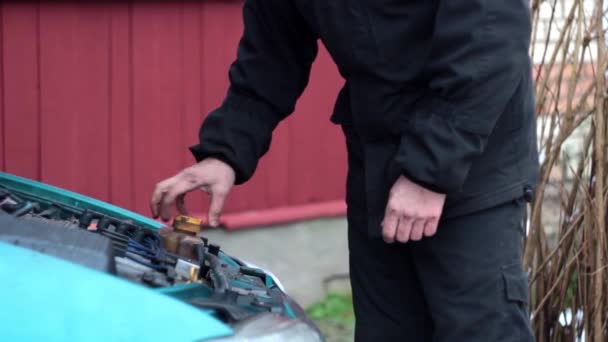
272	328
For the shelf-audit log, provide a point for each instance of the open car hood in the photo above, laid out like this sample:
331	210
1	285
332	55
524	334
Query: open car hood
120	280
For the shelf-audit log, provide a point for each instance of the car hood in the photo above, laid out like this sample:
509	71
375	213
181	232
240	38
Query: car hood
42	295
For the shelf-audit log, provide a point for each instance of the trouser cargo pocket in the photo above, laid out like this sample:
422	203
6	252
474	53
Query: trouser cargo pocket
516	284
515	287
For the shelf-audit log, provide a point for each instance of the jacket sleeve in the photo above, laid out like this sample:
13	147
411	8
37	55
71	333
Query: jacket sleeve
479	53
271	70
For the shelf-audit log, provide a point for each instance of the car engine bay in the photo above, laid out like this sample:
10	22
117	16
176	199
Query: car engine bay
176	260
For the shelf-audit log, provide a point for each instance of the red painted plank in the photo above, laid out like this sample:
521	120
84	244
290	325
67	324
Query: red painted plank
21	95
191	29
323	92
122	95
309	164
157	96
222	29
120	116
74	85
277	177
274	167
278	215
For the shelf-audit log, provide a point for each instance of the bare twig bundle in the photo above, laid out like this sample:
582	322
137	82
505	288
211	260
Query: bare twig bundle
566	249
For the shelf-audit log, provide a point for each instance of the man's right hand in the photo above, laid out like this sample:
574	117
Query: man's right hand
210	175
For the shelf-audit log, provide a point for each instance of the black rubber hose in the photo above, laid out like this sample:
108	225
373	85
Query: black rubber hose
25	208
114	236
200	256
220	282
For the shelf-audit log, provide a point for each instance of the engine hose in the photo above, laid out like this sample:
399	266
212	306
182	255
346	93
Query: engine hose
24	209
141	253
139	245
142	249
220	282
140	260
115	236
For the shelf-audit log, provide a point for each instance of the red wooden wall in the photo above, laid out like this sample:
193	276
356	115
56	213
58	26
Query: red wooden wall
105	98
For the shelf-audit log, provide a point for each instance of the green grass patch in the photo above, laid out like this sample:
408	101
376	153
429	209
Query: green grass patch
337	307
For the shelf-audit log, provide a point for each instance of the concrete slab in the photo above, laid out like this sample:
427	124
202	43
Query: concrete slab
302	255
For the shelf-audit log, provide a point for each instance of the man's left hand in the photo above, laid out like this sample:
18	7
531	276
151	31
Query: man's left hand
411	213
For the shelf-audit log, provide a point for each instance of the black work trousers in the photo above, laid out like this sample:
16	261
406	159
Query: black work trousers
465	284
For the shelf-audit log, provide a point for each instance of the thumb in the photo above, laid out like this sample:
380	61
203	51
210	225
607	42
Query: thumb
216	206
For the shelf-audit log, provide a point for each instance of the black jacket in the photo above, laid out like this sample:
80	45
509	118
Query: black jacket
437	90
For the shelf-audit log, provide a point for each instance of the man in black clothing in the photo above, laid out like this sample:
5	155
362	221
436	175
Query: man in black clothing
438	115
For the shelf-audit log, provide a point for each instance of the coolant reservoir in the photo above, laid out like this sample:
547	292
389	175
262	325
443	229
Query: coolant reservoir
187	224
182	239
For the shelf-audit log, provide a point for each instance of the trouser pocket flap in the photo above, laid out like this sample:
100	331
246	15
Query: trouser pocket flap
516	283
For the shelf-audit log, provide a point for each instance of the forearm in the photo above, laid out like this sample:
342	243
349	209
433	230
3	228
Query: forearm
268	76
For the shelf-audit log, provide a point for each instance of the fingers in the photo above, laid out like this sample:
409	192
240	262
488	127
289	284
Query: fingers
157	196
403	224
404	229
389	226
166	193
430	228
218	197
180	187
210	175
180	201
417	229
412	212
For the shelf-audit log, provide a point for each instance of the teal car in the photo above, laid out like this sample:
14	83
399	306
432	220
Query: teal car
77	269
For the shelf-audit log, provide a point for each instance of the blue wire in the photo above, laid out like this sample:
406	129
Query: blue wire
135	243
139	246
155	267
141	253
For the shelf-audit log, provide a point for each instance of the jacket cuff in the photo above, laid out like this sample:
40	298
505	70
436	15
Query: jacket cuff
437	148
237	133
201	153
